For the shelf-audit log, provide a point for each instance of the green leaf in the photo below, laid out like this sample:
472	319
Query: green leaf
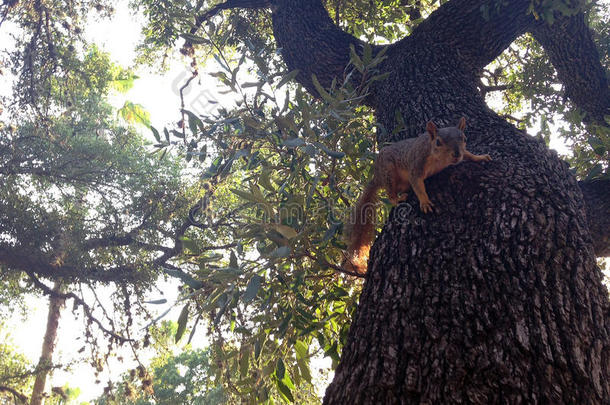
288	77
294	142
182	319
185	277
597	145
265	181
331	153
194	122
246	195
355	59
322	91
156	302
288	382
191	245
284	391
280	369
367	54
156	134
244	360
233	260
134	114
253	84
252	288
282	251
301	349
304	369
330	232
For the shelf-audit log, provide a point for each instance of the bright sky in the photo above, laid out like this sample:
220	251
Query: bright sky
159	95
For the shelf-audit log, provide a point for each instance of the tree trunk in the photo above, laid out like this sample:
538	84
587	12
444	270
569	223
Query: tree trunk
48	347
495	297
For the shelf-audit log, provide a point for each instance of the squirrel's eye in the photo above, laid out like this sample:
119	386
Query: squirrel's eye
438	142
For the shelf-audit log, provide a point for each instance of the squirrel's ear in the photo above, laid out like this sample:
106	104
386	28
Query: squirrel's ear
431	128
462	124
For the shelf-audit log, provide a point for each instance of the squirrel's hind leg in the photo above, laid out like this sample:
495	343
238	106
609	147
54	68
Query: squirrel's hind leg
403	187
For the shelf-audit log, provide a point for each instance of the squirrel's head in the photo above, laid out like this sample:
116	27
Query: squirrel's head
448	143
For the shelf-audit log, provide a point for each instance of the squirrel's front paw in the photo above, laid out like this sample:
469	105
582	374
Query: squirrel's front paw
426	206
484	158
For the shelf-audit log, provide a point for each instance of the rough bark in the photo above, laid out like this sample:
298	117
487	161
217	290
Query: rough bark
493	299
496	297
48	347
323	48
597	200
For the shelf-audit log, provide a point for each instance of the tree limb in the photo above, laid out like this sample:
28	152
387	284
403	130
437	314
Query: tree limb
27	261
18	396
187	49
79	302
479	30
569	45
322	48
597	201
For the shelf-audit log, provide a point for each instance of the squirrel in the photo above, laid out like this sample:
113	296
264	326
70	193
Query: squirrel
400	166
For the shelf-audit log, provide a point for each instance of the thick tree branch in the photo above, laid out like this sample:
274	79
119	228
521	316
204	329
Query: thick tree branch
16	394
122	240
230	4
597	200
478	30
311	42
27	261
569	45
323	49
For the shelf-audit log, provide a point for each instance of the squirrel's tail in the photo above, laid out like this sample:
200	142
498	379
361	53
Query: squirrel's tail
361	229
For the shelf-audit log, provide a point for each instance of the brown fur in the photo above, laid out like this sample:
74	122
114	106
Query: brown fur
400	166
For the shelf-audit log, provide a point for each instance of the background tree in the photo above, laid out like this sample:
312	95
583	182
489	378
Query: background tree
182	378
83	202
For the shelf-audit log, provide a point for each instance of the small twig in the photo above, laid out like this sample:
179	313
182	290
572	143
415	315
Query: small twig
488	89
510	117
79	302
229	4
195	73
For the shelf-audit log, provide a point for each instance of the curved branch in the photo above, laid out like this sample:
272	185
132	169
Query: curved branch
187	48
16	394
23	260
479	30
597	200
311	42
77	302
570	47
230	4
